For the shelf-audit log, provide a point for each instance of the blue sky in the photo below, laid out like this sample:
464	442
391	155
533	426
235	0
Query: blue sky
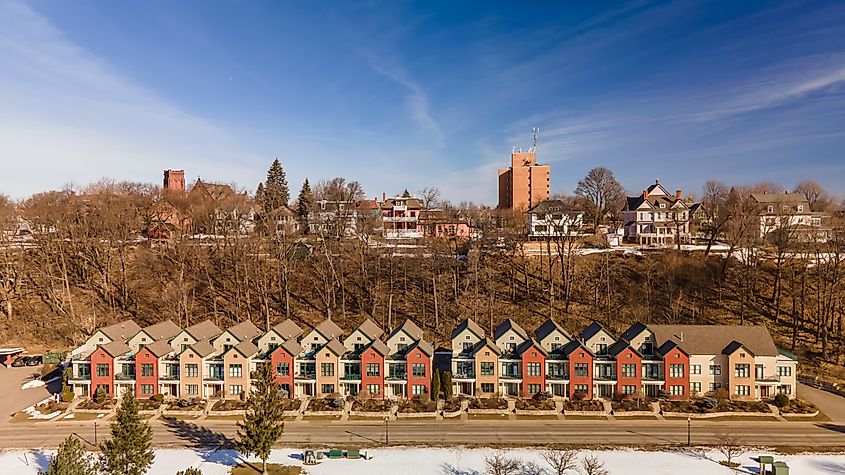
406	95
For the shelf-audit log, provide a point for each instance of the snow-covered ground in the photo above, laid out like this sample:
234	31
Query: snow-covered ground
456	461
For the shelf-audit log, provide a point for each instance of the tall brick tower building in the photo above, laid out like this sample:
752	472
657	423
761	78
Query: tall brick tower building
174	181
525	184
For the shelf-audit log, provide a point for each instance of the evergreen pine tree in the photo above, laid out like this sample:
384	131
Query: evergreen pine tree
70	459
446	384
263	421
405	194
190	471
259	195
276	193
128	451
435	385
304	204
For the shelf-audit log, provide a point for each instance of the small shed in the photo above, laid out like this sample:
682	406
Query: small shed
780	468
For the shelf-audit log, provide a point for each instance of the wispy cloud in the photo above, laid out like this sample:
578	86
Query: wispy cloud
67	116
416	98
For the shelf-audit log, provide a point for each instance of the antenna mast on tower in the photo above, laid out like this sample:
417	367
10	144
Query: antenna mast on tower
534	132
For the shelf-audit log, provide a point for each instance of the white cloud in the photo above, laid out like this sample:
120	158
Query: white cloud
67	116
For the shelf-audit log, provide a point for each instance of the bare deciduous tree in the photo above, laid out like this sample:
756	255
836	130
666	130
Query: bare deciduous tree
603	191
730	445
591	465
499	463
561	461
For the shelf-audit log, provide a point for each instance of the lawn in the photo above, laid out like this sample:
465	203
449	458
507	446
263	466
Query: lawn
272	469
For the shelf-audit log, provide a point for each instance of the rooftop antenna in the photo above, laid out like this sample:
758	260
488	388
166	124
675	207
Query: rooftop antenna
534	132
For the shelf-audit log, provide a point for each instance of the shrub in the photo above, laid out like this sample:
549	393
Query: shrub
67	394
190	471
781	400
100	396
157	398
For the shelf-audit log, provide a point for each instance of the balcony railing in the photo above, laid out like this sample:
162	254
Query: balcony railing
124	376
80	377
464	375
306	375
400	219
351	377
557	376
168	377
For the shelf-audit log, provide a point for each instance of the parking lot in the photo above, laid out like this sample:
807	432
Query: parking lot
12	397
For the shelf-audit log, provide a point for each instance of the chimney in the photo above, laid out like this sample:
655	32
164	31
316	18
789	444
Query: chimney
682	336
678	194
645	194
383	197
657	181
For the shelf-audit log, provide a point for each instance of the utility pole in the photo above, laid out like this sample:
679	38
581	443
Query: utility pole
95	432
689	431
386	433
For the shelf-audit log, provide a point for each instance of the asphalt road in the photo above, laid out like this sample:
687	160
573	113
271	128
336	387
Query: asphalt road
513	433
830	404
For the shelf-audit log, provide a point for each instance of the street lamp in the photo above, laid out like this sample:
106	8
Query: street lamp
689	428
386	433
95	432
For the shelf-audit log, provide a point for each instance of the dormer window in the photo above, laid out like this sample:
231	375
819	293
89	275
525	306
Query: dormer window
770	209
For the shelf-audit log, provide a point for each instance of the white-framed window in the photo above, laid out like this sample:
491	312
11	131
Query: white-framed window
715	386
417	389
374	389
676	390
695	369
784	371
147	389
715	370
628	389
676	370
785	389
236	371
192	389
236	389
742	390
533	369
742	370
695	388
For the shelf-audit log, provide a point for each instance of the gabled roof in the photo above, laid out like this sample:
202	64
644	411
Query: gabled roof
335	346
408	327
668	346
593	329
369	328
509	325
574	345
203	330
246	330
468	324
116	348
485	343
288	329
246	348
203	348
633	331
163	330
714	339
160	348
424	346
121	331
620	346
547	328
292	347
733	346
527	345
329	329
379	346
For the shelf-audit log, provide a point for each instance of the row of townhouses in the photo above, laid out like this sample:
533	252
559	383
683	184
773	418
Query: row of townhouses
674	361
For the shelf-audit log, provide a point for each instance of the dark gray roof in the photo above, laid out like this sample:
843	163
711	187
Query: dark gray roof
483	343
715	339
509	325
470	325
573	345
619	347
594	328
547	328
633	331
527	345
553	206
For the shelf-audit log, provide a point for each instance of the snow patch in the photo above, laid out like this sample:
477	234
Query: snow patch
426	461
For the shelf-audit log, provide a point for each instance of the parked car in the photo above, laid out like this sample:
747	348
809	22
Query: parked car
20	361
34	360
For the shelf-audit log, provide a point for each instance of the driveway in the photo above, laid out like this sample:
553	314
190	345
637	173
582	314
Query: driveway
828	403
12	397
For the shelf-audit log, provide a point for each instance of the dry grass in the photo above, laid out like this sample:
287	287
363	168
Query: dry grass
272	469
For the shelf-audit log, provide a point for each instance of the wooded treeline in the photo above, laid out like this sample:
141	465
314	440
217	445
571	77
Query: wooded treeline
87	268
